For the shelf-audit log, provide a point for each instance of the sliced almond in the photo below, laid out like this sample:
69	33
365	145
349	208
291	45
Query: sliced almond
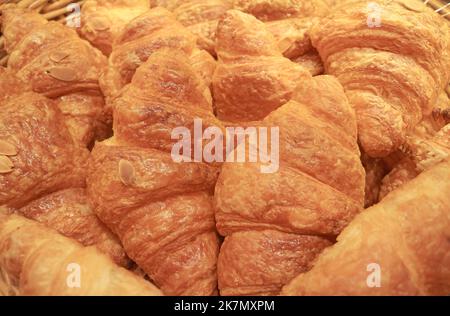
7	149
99	24
57	57
62	73
413	5
126	172
6	165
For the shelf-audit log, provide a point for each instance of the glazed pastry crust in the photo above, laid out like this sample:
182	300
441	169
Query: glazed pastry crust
34	260
149	32
47	159
69	212
101	21
416	264
252	77
269	10
392	74
317	190
50	56
171	202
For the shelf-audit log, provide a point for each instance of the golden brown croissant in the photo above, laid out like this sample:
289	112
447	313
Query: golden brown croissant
398	247
160	209
54	61
252	78
392	67
198	16
376	169
155	29
427	145
35	260
276	223
269	10
102	21
37	158
292	35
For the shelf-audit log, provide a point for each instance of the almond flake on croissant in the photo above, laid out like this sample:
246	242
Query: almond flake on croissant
44	170
101	21
161	210
55	62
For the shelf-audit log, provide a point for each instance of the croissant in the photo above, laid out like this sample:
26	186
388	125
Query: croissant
161	210
376	169
277	223
54	61
102	21
397	247
42	172
155	29
425	146
392	66
35	260
270	10
252	78
200	17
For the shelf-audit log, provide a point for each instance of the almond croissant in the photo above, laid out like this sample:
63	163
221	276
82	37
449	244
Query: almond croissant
42	172
54	61
160	209
155	29
252	77
397	247
35	260
392	66
277	223
102	21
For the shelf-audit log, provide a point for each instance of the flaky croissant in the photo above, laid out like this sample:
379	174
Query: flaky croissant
392	59
160	209
277	223
35	260
397	247
198	16
102	21
425	146
155	29
270	10
54	61
252	78
43	170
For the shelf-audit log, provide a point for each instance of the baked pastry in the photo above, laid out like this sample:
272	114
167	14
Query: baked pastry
161	209
270	10
417	218
252	77
198	16
376	169
392	72
277	223
155	29
102	21
427	145
35	260
55	62
42	172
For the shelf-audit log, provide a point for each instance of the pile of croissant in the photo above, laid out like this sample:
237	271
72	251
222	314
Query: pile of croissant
87	178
